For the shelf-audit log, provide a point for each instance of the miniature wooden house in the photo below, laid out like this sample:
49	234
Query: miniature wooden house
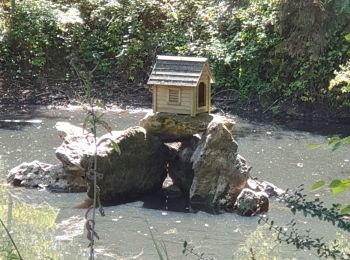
181	85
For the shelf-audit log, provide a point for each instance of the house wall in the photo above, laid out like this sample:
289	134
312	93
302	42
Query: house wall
161	96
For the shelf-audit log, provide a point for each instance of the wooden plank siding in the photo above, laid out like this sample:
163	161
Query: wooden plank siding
162	100
176	81
154	99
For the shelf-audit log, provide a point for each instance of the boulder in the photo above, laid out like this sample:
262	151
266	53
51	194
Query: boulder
220	173
174	127
38	174
270	189
251	203
180	165
140	168
76	143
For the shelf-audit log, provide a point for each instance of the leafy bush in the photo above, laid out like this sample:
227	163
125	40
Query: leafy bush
257	48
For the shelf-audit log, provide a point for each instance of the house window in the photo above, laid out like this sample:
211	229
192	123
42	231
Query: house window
174	96
201	95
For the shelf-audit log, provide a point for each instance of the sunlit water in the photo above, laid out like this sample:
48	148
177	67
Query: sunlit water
277	155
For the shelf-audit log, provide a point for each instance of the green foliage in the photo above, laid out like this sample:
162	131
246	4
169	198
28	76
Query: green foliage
297	202
341	81
8	248
159	245
290	234
338	186
334	142
190	250
31	226
259	244
317	185
31	38
340	6
282	53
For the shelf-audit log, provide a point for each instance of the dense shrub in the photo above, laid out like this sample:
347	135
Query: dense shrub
279	52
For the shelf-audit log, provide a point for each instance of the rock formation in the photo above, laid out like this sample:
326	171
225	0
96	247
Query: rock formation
220	173
172	127
198	153
250	203
140	168
180	166
39	175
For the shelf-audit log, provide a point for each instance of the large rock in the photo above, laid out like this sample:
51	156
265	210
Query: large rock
76	144
180	165
267	187
41	175
220	173
177	127
140	168
251	203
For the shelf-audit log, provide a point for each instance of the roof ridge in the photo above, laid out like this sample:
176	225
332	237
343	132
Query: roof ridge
181	58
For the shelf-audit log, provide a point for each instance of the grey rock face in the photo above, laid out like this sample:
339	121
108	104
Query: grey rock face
39	175
139	169
219	172
180	166
176	127
250	203
207	169
270	189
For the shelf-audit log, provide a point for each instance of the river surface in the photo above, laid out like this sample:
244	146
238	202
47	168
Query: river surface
277	154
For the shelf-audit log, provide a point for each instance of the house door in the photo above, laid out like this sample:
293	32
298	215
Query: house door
201	95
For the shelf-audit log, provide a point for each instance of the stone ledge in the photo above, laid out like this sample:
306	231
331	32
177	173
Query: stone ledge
173	126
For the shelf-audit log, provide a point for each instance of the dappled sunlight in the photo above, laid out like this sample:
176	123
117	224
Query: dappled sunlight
31	226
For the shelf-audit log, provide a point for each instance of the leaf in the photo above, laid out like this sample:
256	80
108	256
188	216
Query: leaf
338	186
333	140
346	140
317	185
347	37
116	147
345	210
335	184
337	205
313	146
337	190
100	104
104	124
336	146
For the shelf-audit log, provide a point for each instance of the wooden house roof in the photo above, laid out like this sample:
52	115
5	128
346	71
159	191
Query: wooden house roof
178	71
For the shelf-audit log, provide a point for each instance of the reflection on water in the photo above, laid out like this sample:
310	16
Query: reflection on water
53	226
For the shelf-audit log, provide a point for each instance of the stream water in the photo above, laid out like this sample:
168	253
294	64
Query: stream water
277	154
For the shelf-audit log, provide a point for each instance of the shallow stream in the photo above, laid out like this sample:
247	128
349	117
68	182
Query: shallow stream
50	226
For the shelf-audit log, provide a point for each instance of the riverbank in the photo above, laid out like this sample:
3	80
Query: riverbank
19	98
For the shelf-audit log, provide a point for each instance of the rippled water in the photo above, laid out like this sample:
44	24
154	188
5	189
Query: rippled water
277	155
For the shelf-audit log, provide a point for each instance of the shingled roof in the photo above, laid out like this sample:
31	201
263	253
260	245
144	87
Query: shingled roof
177	71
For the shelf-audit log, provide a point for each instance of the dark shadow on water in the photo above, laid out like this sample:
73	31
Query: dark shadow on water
167	199
170	199
14	126
17	119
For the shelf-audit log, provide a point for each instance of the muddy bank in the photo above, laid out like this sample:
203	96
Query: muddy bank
16	96
19	98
